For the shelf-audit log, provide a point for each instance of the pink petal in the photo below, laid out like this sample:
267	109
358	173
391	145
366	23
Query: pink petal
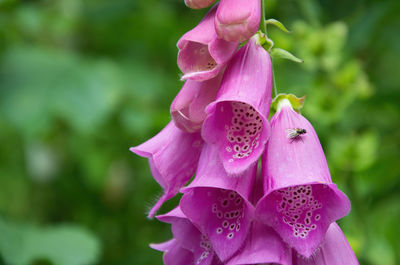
164	245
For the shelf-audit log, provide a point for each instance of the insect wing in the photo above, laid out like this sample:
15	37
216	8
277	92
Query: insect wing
291	133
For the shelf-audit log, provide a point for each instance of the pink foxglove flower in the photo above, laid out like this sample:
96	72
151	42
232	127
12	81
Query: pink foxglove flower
218	204
237	20
188	108
187	238
262	246
202	55
334	250
237	121
300	201
198	4
173	156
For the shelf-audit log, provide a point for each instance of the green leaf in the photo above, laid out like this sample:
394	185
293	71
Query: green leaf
280	53
277	24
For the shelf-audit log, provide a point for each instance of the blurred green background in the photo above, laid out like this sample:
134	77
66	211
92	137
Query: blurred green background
81	81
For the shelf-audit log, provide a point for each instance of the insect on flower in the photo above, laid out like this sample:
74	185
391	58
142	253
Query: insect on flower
294	133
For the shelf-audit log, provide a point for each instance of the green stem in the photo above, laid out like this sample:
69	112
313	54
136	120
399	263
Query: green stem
273	78
263	26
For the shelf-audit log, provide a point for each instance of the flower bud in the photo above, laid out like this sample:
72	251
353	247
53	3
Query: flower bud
237	20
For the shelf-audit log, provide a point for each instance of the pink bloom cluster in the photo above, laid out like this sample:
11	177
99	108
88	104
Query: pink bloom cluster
240	209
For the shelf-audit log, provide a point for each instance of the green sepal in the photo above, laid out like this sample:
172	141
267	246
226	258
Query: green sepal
277	24
264	41
281	53
297	103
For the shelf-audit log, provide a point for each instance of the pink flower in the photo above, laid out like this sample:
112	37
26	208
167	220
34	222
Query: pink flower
237	121
300	199
198	4
218	204
173	156
202	55
237	20
188	108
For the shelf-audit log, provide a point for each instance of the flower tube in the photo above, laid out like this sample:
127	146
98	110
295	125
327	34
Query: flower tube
218	204
173	156
237	20
188	108
202	55
237	121
300	201
334	250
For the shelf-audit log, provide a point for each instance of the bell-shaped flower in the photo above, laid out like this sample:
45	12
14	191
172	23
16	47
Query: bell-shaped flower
202	55
237	20
237	121
334	250
187	238
198	4
188	108
218	203
300	201
263	246
173	155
